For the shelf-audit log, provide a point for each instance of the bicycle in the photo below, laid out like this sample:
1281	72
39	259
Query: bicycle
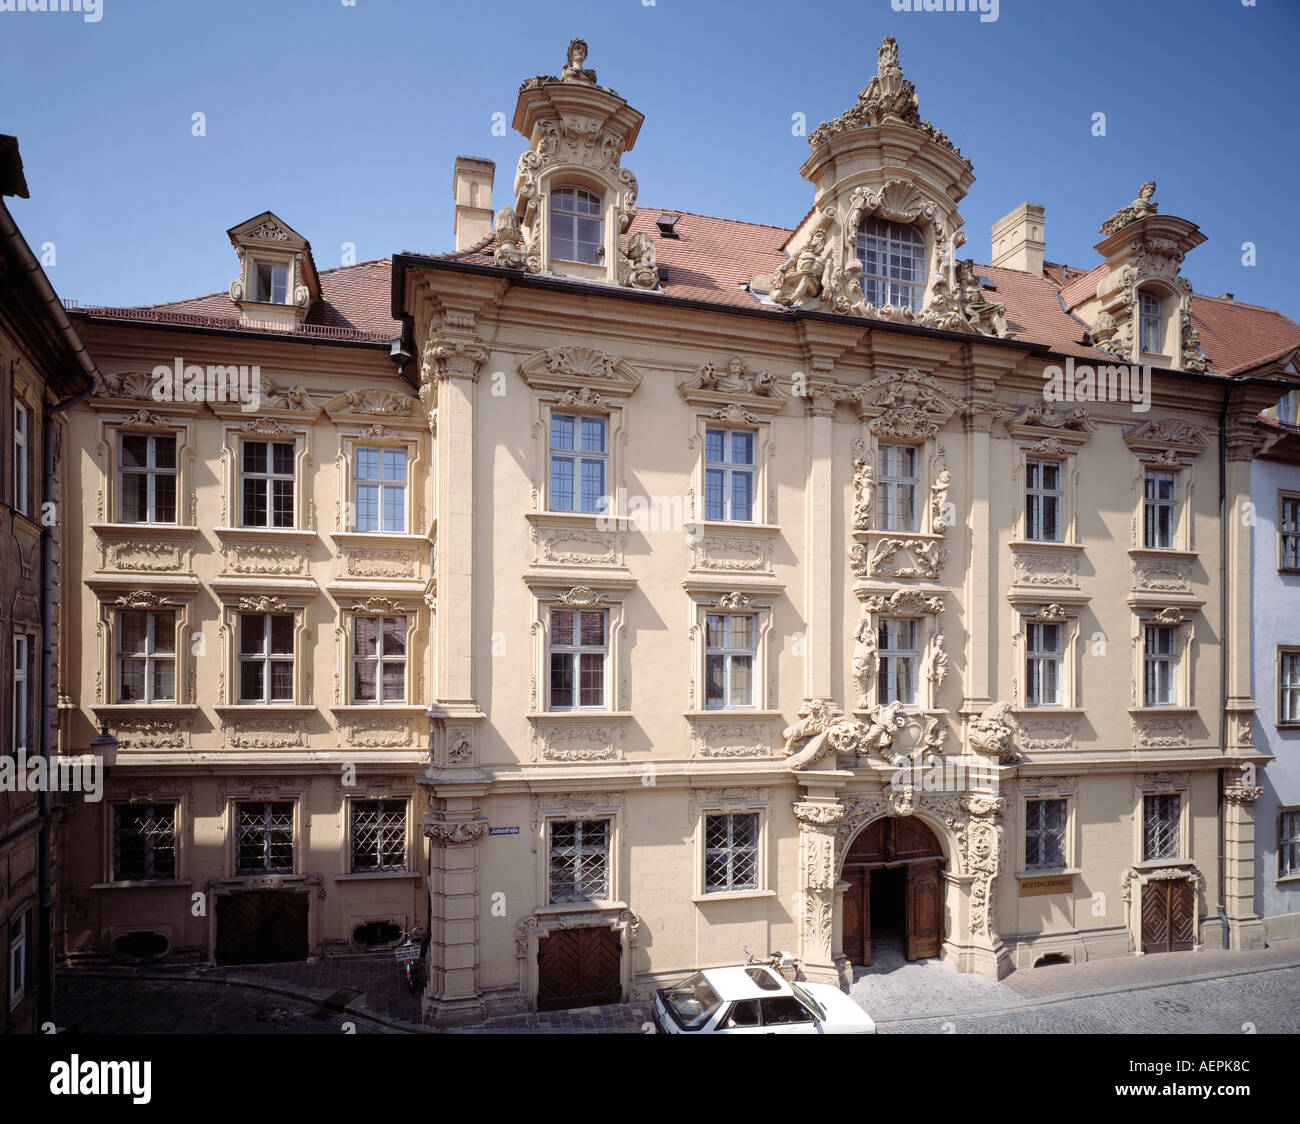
409	954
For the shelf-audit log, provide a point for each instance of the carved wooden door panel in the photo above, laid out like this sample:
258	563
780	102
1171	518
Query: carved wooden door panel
262	927
857	916
924	911
1168	916
579	968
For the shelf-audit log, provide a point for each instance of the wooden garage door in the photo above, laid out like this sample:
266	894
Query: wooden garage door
261	927
579	968
1168	916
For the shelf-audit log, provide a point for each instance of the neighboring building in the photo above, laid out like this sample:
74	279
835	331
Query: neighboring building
43	366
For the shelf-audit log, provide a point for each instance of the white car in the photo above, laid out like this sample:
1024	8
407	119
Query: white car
755	999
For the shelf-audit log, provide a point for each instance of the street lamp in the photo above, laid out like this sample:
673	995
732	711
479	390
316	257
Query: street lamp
104	747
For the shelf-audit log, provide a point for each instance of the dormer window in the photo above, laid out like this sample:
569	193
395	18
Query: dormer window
576	233
1149	323
893	264
272	283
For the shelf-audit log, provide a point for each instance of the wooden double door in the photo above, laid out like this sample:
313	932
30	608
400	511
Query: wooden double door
899	863
579	968
1168	915
262	927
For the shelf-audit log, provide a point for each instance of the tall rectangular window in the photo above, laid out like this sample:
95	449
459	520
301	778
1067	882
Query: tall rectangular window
1160	664
578	649
21	461
379	490
1044	834
1160	826
729	475
1149	323
146	657
1289	530
730	642
378	835
730	852
23	653
1160	509
576	225
1043	501
379	659
264	837
897	644
897	480
144	842
1043	657
579	461
1288	687
148	478
265	657
267	476
579	861
1288	843
272	283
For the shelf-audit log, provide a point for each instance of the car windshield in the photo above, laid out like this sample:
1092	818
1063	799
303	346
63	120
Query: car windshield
692	1002
817	1008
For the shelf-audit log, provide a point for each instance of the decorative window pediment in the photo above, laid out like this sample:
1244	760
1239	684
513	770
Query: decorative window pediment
720	385
368	404
904	405
590	374
1054	431
1166	440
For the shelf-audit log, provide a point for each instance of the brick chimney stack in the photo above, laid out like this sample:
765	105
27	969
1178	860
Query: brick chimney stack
472	188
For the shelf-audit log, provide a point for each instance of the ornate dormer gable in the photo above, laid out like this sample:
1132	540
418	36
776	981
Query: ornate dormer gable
1142	312
887	185
734	382
277	280
574	200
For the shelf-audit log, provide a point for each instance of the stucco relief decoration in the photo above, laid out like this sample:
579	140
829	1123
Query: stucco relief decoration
578	368
903	405
150	556
509	239
734	381
581	597
143	599
445	832
126	384
263	604
899	558
993	733
374	401
864	485
865	660
263	732
1138	209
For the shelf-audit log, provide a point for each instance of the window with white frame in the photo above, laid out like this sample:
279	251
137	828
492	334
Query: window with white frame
898	646
579	462
1045	822
579	647
576	233
21	459
1160	509
897	468
264	837
1043	498
146	656
148	478
1160	815
144	842
271	283
730	852
1159	665
266	483
1289	533
378	490
1149	323
730	642
378	835
893	264
379	659
22	673
1288	687
1288	843
729	474
20	956
578	864
1285	410
266	657
1044	656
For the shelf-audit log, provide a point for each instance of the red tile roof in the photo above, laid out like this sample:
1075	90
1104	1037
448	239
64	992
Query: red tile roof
1238	337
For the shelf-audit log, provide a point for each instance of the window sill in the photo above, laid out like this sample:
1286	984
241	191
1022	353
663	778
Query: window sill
402	709
1062	711
124	708
377	875
376	538
1155	711
732	896
1047	544
734	525
544	716
132	530
264	708
1176	552
732	712
143	884
280	534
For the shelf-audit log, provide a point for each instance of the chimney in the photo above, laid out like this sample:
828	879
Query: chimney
472	188
1019	239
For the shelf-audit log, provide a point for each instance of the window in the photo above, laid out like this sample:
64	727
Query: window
784	1010
730	852
579	861
379	659
148	476
576	226
579	456
730	640
896	471
729	475
897	645
272	283
1285	410
20	459
1288	687
23	646
1043	501
1160	661
1160	509
578	649
1288	844
265	657
264	837
379	490
893	264
146	657
1149	323
1160	826
20	955
1044	834
1289	533
1042	664
378	835
267	483
144	842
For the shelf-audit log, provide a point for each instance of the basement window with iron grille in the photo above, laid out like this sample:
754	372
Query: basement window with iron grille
144	842
264	837
378	835
730	852
579	861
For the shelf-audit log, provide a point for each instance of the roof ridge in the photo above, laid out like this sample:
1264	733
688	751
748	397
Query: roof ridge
1241	304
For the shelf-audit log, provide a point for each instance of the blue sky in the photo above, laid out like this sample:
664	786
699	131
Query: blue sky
345	120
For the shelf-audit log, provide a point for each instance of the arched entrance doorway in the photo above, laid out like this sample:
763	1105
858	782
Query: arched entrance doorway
893	869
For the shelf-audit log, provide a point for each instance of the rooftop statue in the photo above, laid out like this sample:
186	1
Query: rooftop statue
1140	208
573	70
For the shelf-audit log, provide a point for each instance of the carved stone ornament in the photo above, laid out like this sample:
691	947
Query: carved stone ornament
904	405
993	733
1138	209
718	384
864	485
581	597
144	599
445	833
566	368
1242	794
264	604
126	384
